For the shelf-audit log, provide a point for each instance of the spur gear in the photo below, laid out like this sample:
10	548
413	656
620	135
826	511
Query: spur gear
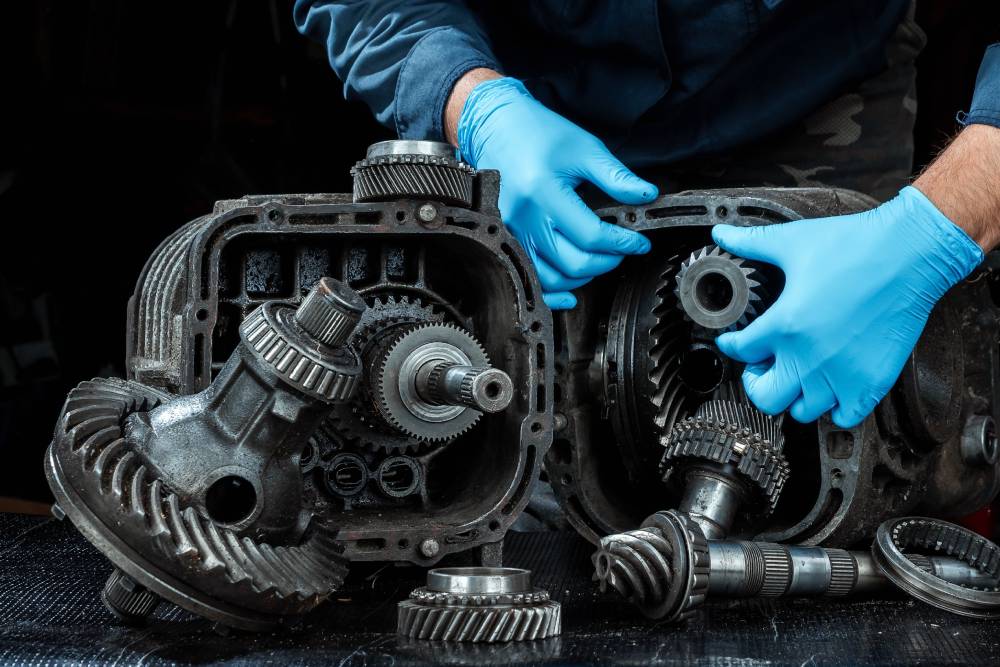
394	380
717	290
479	604
728	458
360	422
402	169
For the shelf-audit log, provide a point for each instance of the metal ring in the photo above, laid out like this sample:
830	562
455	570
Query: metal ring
940	537
479	580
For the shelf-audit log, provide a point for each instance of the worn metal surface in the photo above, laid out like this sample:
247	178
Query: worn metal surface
391	489
52	615
623	353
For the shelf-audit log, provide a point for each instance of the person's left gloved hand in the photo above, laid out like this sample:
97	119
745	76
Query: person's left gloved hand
858	291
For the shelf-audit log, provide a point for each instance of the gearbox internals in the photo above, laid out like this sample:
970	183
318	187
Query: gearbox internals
321	380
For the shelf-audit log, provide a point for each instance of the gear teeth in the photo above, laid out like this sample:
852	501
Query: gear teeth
729	432
662	568
390	177
667	339
301	576
752	275
447	617
384	372
358	422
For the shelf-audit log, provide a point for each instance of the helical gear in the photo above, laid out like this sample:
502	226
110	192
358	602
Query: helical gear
668	339
746	281
248	581
470	614
728	432
391	177
662	567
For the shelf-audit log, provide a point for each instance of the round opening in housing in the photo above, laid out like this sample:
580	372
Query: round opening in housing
398	476
347	475
230	499
702	369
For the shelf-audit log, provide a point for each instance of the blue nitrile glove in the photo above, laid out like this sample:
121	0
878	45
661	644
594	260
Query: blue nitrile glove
542	158
858	291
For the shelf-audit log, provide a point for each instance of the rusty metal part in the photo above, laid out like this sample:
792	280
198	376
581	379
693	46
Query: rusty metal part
415	261
667	569
631	366
199	499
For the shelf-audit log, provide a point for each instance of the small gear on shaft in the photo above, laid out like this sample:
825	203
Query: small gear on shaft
662	568
717	290
479	604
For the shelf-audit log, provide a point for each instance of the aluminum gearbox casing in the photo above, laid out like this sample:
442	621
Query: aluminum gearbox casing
417	263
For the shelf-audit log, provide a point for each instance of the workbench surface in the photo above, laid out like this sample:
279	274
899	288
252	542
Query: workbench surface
50	613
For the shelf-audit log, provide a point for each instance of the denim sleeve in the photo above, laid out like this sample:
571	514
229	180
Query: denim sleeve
986	100
402	57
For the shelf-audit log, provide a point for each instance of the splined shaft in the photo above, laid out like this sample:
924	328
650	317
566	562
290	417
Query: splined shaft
481	388
653	570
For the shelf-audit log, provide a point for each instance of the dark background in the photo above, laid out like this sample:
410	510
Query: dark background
120	120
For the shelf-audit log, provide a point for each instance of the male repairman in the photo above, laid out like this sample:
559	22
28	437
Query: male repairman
695	93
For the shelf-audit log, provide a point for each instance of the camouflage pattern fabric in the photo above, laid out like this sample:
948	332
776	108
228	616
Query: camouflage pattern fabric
862	140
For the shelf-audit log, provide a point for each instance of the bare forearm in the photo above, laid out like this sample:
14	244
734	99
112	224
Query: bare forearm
464	86
964	183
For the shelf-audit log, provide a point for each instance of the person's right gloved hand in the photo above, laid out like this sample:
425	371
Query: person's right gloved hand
542	158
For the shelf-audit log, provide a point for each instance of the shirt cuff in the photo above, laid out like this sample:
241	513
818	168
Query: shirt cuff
432	67
985	108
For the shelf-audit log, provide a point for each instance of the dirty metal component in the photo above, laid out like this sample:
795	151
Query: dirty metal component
410	376
632	363
726	458
479	604
404	169
130	602
667	569
419	261
199	499
940	537
717	290
979	441
662	568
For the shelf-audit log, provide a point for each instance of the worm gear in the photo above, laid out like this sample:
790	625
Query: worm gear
717	290
662	567
393	379
479	604
413	170
725	460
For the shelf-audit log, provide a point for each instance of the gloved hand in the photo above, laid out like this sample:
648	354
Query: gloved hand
542	158
858	291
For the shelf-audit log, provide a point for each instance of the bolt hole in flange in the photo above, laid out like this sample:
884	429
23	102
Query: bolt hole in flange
230	499
398	476
702	369
346	475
